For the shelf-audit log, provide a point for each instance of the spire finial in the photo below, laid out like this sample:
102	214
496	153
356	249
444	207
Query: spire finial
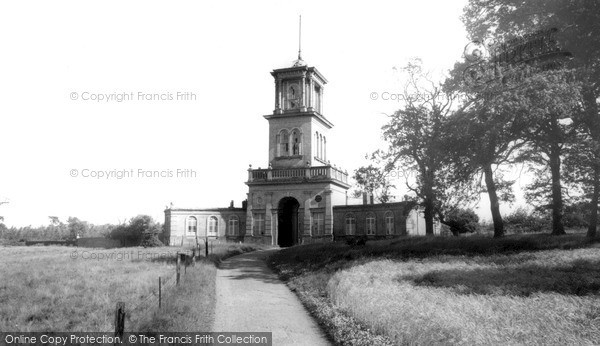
299	61
300	37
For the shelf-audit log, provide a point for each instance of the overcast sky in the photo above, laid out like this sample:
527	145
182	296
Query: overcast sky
57	56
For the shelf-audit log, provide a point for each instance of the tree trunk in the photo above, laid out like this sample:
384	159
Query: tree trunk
494	204
428	217
591	232
557	202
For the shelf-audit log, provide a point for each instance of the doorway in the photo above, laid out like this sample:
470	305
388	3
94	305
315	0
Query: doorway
287	222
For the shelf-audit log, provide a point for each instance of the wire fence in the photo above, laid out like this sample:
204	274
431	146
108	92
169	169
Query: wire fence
155	297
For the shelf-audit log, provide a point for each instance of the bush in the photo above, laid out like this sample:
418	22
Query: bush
577	215
133	234
357	240
462	221
150	239
521	221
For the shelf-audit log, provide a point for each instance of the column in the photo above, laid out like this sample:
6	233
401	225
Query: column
303	96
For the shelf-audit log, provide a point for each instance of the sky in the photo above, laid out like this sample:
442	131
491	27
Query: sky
113	109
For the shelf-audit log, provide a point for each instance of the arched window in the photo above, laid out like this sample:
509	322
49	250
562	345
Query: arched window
320	146
296	143
389	223
316	144
192	224
233	225
350	224
213	226
370	224
324	148
284	143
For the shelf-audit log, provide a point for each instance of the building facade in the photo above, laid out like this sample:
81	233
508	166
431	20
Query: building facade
300	197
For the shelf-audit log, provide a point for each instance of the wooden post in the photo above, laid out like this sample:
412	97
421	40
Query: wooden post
120	319
159	292
205	247
178	268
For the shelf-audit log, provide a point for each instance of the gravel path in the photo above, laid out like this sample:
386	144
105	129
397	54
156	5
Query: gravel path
251	298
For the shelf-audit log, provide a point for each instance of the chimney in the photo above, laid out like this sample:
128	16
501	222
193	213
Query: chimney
364	195
231	204
245	204
371	198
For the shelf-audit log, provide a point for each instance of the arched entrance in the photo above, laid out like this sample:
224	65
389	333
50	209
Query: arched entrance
287	222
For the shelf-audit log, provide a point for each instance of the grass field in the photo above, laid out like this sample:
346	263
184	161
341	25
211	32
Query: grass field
536	289
54	288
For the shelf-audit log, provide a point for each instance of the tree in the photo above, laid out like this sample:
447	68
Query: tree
579	34
462	221
373	180
133	233
483	136
549	98
76	227
414	136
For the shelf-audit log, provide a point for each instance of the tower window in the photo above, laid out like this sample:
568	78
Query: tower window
317	98
296	143
284	143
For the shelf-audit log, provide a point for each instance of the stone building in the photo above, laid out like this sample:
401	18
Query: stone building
300	197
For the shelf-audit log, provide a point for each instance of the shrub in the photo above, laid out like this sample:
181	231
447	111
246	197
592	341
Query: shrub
521	221
462	221
132	234
150	239
357	240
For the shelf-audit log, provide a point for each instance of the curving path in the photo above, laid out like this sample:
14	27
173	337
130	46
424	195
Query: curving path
251	298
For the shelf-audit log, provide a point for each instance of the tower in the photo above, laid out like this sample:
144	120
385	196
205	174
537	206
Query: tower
291	201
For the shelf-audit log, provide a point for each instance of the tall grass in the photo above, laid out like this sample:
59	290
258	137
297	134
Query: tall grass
472	291
67	289
533	300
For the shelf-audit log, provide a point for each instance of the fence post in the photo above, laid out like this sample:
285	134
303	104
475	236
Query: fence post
120	319
205	247
178	268
159	292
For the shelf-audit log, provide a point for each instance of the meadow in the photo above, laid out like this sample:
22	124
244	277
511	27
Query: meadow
521	290
68	289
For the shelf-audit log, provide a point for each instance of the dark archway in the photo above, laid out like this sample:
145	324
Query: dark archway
287	222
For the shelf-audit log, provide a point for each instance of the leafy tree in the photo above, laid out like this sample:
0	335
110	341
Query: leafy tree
132	234
414	134
579	34
462	221
374	181
482	137
76	227
549	98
